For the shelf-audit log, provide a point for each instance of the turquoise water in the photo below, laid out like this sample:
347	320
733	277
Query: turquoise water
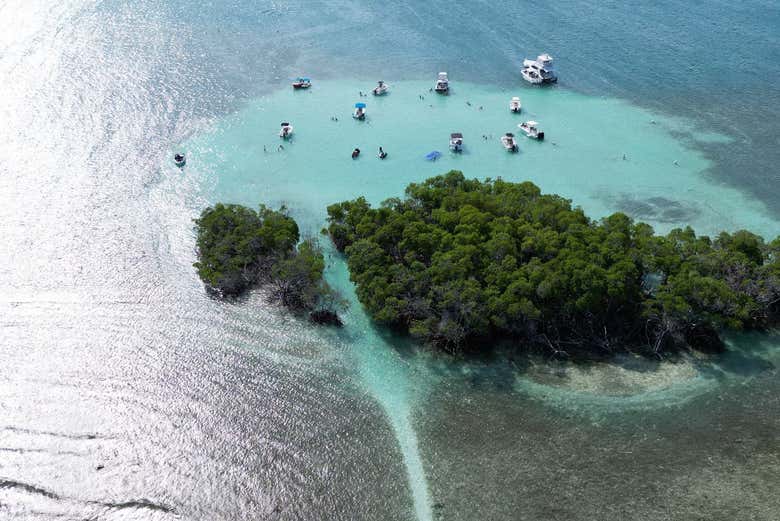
127	393
604	154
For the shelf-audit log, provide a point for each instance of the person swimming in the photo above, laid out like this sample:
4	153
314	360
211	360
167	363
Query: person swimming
355	153
382	153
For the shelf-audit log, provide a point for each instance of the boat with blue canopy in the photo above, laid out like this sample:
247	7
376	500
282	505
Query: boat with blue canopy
360	111
301	83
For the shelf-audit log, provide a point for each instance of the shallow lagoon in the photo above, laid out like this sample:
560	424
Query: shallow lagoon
604	154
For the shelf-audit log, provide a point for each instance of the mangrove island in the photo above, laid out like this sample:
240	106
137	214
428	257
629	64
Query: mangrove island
461	263
239	248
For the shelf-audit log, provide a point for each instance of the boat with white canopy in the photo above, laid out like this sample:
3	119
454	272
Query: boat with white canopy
380	89
456	142
531	129
509	143
442	84
286	131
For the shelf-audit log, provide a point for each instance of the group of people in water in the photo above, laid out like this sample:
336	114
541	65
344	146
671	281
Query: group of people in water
381	155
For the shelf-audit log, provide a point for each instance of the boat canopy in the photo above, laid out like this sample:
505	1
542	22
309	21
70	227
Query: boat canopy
285	124
509	134
531	123
515	98
456	135
360	105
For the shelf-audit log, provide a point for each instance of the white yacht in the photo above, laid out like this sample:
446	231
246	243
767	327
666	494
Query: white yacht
442	84
456	142
286	131
531	129
514	105
540	70
380	89
508	140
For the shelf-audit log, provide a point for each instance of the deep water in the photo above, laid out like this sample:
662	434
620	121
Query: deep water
127	393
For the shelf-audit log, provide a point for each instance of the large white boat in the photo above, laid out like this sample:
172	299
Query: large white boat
456	142
514	105
540	70
531	129
508	140
442	84
380	89
286	131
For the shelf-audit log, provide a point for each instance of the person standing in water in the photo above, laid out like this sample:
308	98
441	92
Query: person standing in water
382	153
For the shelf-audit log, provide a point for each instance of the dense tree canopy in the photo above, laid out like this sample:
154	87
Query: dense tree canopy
239	248
459	261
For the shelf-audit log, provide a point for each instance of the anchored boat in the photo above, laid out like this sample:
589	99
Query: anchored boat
360	111
530	128
539	71
514	105
456	142
301	83
508	140
179	160
286	131
442	84
380	89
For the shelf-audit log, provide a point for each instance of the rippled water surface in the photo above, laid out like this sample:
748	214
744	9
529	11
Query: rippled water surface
127	393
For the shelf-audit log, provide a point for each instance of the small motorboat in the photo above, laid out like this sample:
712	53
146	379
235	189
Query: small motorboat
355	153
380	89
515	106
179	160
456	142
540	70
360	111
442	84
286	131
301	83
531	130
508	140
